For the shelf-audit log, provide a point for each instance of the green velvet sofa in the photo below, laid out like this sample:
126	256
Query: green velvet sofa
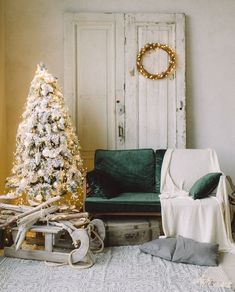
125	182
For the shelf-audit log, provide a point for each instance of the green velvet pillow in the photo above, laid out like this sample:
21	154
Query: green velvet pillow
205	185
101	185
95	189
110	185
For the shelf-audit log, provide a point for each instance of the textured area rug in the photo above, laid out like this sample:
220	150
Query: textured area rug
117	269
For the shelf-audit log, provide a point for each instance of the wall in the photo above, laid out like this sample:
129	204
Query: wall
34	31
2	99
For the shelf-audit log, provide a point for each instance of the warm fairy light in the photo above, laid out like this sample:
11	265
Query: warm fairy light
47	158
154	46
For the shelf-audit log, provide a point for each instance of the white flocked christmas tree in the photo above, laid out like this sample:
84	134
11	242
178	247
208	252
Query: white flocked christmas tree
47	160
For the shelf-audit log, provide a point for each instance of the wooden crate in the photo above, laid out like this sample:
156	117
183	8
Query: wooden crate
131	231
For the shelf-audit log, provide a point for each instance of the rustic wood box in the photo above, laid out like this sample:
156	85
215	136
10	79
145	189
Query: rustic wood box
131	231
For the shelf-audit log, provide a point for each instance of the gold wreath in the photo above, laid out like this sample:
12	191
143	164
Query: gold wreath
150	47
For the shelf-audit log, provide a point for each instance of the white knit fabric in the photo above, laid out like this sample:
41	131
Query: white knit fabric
205	220
214	276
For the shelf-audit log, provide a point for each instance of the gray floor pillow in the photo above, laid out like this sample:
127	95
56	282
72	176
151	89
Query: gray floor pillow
162	247
197	253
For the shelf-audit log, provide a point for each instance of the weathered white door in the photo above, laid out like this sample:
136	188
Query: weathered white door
155	109
94	78
112	105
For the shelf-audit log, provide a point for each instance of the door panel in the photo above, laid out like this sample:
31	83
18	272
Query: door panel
96	42
95	87
152	118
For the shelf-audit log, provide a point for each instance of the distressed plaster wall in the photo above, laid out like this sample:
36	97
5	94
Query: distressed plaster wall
3	149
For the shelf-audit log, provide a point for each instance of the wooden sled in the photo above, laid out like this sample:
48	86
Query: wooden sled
59	250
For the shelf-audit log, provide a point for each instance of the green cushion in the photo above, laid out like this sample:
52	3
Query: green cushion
159	159
124	202
96	189
101	186
125	170
205	185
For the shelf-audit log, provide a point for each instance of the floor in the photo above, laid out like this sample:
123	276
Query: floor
228	263
116	269
227	260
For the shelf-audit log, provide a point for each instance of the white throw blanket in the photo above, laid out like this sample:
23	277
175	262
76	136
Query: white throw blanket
205	220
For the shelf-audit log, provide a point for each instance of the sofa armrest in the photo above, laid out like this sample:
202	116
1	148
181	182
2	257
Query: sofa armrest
232	194
225	192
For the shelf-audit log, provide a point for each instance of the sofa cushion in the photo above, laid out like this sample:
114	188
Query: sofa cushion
160	153
101	186
194	252
163	247
124	202
205	185
126	170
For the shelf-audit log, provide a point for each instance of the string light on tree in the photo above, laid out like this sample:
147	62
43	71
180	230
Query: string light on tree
47	159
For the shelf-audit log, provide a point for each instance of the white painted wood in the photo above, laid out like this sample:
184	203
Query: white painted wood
180	82
40	255
131	98
42	229
112	105
120	80
155	109
94	64
49	241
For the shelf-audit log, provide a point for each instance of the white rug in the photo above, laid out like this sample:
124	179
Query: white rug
117	269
